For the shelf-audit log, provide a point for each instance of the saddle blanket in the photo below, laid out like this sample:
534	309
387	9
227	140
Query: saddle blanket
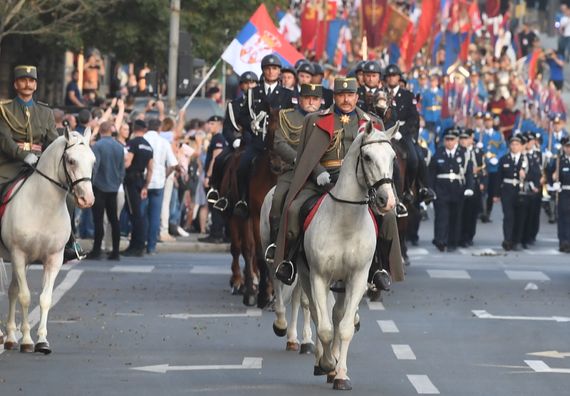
8	194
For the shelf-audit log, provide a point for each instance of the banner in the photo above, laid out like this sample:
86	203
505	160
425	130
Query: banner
426	24
288	26
394	25
315	18
258	38
339	43
372	20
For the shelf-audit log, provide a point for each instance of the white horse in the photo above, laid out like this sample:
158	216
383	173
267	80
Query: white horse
285	294
36	226
339	244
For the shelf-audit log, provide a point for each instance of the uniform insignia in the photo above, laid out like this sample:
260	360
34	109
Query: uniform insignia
344	119
414	101
294	100
326	124
345	84
458	160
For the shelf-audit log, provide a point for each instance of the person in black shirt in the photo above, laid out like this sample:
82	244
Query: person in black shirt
138	161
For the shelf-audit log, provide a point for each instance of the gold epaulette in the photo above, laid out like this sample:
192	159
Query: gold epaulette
288	128
5	101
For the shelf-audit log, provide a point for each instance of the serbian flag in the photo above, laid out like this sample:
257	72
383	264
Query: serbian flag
315	19
425	24
373	17
288	26
258	38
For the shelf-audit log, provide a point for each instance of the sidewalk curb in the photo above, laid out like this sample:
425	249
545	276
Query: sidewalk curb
182	245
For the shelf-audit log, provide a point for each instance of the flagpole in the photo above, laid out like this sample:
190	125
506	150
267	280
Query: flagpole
191	98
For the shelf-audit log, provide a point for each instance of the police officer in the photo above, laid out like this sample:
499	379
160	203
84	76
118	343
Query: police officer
472	204
327	99
368	94
305	73
513	170
287	137
551	140
269	95
232	132
559	175
359	72
289	78
494	147
451	175
535	192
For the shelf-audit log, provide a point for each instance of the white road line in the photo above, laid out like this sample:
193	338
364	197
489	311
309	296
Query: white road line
210	270
416	251
375	305
423	384
145	269
540	367
543	252
482	314
449	274
403	352
250	313
527	275
128	314
388	326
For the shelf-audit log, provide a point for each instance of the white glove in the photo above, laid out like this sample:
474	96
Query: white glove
548	154
323	179
480	145
494	161
236	143
31	159
397	136
556	187
468	192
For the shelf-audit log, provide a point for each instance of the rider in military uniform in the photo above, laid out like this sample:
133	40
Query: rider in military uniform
27	127
266	97
471	204
287	137
325	140
451	173
558	173
369	93
232	131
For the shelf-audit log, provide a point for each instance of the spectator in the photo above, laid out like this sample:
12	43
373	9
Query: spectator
564	40
109	172
72	93
556	65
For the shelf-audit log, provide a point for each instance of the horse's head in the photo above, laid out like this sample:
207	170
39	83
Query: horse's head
376	166
78	161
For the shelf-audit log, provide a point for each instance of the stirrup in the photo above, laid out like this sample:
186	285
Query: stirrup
401	210
270	253
381	280
221	204
241	208
213	196
281	272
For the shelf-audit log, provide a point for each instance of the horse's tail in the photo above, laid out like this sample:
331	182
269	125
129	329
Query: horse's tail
3	277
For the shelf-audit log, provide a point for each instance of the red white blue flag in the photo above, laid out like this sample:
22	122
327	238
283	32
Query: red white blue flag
258	38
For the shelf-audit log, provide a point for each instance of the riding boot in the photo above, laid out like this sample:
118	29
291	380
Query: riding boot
379	275
273	231
241	208
401	210
73	250
287	270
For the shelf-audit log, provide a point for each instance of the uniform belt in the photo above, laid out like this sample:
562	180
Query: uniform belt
331	163
514	182
450	176
29	147
565	188
433	108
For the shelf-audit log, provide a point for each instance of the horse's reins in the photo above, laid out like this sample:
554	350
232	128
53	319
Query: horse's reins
372	187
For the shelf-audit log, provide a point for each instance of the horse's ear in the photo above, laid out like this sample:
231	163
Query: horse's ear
87	135
66	133
369	127
390	133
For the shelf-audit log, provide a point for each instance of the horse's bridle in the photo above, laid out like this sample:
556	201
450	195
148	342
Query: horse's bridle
70	182
372	187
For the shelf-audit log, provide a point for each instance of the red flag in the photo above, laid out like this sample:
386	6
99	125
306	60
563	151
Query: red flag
315	20
309	24
407	47
492	8
373	12
426	23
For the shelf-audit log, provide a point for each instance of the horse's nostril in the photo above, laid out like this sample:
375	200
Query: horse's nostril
382	200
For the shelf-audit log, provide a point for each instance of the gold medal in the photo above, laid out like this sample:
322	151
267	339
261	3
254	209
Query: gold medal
344	119
27	146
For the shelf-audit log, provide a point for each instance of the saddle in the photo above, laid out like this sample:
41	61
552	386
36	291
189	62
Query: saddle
8	191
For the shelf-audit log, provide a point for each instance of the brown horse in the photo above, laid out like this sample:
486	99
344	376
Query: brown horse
244	232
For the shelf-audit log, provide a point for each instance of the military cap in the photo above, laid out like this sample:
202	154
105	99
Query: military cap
488	116
351	74
372	67
306	68
556	119
565	141
248	76
529	136
517	137
318	69
392	70
466	133
478	114
271	60
342	84
289	69
25	71
311	90
359	66
300	62
451	133
215	118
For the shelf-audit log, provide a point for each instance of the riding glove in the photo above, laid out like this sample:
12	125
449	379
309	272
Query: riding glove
31	159
236	143
323	179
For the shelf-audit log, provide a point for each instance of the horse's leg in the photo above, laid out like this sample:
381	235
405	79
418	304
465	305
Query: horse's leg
280	322
11	340
307	345
51	269
338	312
292	341
236	281
248	252
355	288
319	289
19	271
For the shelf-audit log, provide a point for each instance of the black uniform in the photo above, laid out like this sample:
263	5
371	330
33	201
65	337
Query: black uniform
563	170
533	223
472	204
450	176
367	98
328	98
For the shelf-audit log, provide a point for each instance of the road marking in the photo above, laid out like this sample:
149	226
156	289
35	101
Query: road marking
527	275
540	367
543	252
448	274
248	363
250	313
531	286
416	251
551	354
210	270
128	314
423	385
144	269
375	305
482	314
388	326
403	352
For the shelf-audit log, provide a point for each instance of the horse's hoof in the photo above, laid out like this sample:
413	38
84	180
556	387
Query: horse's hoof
342	384
42	347
249	300
317	371
292	346
375	295
357	327
236	291
10	346
27	348
307	349
279	332
262	301
330	377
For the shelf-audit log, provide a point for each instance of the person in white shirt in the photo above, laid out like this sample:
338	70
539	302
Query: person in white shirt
164	163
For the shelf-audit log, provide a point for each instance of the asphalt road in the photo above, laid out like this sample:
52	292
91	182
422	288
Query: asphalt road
460	324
